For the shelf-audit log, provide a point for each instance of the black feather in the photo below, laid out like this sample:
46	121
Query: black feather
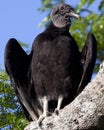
55	65
54	68
17	64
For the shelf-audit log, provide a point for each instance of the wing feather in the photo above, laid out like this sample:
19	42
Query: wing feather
88	59
17	64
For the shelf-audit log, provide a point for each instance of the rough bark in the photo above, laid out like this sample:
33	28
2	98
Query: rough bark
86	112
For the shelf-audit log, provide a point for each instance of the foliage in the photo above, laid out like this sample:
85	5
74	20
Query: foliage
11	114
47	5
90	22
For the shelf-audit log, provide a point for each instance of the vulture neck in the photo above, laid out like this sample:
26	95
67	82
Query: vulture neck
52	28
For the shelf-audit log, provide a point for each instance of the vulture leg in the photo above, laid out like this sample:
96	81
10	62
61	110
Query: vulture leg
60	99
45	110
45	106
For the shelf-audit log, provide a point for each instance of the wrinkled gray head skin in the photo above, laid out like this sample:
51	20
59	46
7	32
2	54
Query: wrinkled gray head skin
61	14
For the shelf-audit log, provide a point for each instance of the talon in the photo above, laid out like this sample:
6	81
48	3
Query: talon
49	113
60	99
56	111
41	118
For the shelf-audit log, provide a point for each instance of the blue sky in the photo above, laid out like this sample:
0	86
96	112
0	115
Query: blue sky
20	19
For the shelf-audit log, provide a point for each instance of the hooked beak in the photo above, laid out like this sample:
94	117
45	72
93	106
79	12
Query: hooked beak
73	14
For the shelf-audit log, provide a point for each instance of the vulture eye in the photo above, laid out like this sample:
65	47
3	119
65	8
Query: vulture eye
62	8
71	9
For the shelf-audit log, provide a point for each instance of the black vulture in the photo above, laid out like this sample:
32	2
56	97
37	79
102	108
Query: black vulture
55	71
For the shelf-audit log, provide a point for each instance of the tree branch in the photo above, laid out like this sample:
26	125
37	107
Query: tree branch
86	112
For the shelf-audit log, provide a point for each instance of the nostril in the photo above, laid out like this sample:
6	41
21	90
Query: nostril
66	17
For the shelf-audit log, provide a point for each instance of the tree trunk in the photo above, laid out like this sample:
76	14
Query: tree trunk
86	112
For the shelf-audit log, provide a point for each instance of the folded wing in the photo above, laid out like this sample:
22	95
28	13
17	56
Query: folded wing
17	64
88	59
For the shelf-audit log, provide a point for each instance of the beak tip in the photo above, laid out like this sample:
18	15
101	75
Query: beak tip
77	16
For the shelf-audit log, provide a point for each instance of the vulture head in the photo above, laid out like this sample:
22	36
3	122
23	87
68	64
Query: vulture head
61	15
